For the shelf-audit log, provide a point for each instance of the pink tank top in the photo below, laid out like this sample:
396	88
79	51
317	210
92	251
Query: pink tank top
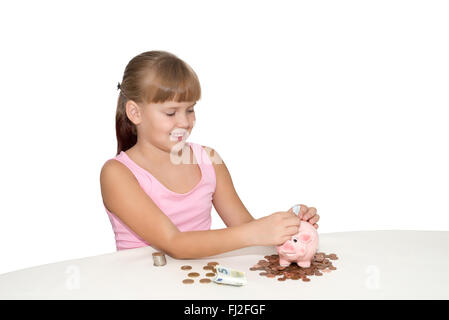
188	211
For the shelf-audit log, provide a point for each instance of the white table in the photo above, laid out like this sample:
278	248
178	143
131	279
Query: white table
371	265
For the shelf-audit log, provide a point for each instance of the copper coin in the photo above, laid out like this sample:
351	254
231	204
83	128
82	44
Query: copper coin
210	274
208	268
193	274
263	274
317	273
332	268
186	267
282	279
205	280
187	281
305	279
213	263
270	275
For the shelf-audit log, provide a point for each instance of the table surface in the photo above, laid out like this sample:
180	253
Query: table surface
388	264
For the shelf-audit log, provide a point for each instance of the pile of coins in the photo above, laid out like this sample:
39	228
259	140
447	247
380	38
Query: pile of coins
271	267
210	272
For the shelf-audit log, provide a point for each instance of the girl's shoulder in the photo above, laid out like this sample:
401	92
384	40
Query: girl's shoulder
214	156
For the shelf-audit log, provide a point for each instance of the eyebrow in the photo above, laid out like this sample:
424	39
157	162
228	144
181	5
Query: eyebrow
180	107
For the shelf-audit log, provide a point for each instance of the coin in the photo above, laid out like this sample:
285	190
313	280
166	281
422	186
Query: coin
213	263
210	274
204	280
271	267
208	268
282	279
187	281
193	274
186	267
319	257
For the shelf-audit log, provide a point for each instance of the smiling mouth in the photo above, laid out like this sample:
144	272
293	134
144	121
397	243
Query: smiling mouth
177	137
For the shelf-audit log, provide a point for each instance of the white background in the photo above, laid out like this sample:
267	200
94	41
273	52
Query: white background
340	105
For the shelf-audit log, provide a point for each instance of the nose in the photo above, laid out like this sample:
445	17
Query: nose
288	246
182	121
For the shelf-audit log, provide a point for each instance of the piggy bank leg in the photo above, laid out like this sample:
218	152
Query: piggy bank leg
283	262
303	264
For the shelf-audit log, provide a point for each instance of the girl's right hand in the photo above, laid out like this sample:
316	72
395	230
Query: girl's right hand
275	229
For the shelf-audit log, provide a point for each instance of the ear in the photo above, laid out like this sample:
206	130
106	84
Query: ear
305	238
133	112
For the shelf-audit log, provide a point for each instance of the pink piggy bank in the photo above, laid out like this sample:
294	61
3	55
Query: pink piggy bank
301	248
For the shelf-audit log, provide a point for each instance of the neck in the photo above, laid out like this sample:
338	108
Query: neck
157	155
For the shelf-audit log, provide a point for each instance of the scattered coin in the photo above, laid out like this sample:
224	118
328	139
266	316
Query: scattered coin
213	263
193	274
305	279
282	279
319	257
208	268
187	281
205	280
210	274
186	267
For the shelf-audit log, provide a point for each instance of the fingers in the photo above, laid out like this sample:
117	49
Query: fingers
315	226
292	221
291	231
309	214
302	211
314	219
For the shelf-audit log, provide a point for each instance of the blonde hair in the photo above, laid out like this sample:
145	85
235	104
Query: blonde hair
152	77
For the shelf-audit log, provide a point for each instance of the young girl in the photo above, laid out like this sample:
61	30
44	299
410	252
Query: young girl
159	189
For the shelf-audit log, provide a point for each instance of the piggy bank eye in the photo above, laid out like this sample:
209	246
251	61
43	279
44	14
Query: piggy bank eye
295	240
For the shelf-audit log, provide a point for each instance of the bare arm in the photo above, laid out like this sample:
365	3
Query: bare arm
225	200
123	196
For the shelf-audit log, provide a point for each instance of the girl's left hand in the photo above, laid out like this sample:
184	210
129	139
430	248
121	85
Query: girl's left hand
309	214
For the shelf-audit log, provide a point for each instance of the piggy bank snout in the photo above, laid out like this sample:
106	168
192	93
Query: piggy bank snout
287	246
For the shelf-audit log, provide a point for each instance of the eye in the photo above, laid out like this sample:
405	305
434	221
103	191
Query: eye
172	114
295	240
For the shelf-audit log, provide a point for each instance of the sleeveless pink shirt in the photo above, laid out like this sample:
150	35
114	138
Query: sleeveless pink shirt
188	211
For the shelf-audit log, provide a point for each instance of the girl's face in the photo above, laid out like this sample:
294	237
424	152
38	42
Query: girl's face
167	124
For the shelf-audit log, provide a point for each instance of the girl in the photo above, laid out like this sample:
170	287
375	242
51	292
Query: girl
159	189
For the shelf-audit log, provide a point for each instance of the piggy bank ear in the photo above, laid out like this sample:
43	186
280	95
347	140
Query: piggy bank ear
305	238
